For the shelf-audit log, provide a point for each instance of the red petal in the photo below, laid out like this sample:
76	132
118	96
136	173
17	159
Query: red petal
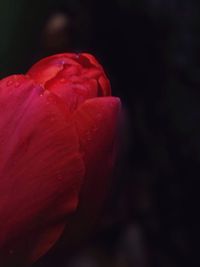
96	122
72	77
73	92
104	83
47	68
41	169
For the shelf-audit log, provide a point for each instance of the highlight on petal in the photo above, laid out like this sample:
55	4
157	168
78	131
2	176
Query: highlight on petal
73	77
47	68
41	169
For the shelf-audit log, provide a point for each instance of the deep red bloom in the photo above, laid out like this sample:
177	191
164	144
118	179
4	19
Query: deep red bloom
57	129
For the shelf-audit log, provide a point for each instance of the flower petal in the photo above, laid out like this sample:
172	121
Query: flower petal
73	77
41	169
47	68
96	122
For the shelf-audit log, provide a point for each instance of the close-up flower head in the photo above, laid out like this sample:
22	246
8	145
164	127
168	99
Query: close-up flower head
57	150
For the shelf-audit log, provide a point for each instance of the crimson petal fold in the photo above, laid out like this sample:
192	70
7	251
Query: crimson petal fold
41	169
96	121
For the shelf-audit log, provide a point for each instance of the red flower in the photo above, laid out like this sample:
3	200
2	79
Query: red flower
57	130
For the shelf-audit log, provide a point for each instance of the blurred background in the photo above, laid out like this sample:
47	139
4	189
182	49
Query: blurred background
150	51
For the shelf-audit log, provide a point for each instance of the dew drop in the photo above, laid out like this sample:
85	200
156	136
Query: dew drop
99	116
88	136
9	83
52	119
95	129
17	84
62	80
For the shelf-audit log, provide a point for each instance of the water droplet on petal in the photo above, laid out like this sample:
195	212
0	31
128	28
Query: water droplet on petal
95	129
52	119
9	83
62	80
99	116
88	136
17	84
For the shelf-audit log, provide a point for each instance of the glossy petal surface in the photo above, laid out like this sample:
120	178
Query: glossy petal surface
41	169
96	122
73	77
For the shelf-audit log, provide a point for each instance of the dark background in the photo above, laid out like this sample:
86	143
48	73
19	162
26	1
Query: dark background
150	51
